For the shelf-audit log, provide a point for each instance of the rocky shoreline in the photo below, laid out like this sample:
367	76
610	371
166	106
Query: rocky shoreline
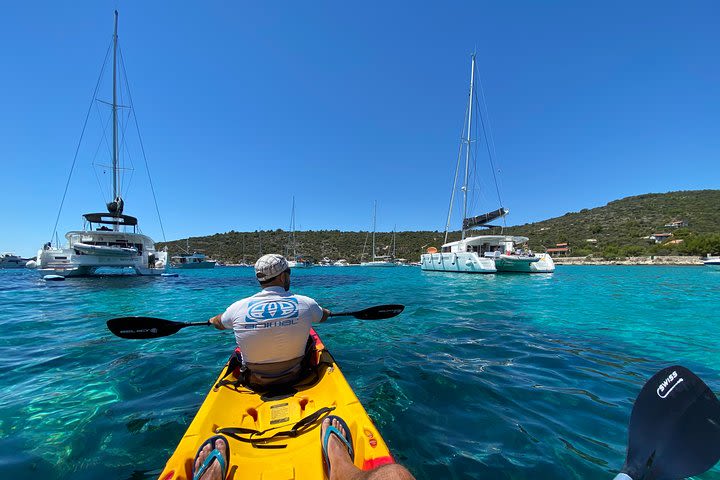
655	260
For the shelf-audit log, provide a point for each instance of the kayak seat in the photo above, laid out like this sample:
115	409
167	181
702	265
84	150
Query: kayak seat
280	378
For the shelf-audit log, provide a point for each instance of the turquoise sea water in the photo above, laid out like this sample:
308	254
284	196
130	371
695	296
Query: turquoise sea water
487	377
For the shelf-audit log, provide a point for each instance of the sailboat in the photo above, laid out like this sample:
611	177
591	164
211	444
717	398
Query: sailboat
482	253
109	241
377	260
296	261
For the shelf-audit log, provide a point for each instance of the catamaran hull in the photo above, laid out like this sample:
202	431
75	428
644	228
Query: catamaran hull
541	263
70	262
378	264
461	262
86	271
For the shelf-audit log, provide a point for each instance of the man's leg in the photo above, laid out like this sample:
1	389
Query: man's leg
342	467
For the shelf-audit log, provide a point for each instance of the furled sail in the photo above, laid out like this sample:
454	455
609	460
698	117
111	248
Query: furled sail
481	220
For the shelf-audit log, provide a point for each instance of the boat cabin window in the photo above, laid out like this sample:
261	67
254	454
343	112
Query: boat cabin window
445	249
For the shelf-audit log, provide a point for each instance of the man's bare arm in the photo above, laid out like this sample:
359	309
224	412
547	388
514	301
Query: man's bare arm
216	322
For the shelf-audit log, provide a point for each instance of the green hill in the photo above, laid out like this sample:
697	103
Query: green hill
620	229
621	226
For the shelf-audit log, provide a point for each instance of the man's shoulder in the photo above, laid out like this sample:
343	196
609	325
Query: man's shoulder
240	303
303	298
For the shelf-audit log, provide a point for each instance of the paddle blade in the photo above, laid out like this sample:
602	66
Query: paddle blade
143	327
674	427
379	312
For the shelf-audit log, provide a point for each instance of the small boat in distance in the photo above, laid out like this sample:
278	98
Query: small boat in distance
483	253
377	260
712	261
191	260
10	260
108	242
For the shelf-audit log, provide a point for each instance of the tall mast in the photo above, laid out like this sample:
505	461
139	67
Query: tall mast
467	152
292	229
114	112
373	241
394	228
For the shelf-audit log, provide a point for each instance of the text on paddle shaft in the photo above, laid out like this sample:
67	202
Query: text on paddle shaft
663	391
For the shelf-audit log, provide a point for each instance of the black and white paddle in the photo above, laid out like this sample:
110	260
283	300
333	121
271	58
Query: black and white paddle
151	327
674	429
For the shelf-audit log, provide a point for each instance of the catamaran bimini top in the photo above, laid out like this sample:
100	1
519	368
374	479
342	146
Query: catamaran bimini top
110	219
473	243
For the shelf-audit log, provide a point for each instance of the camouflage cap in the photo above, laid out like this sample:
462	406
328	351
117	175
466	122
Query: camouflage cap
270	266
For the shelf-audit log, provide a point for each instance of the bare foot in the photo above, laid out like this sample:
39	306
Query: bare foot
337	451
214	472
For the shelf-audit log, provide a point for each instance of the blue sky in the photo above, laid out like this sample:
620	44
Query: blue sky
242	105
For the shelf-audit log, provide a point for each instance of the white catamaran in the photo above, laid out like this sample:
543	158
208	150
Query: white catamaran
108	242
483	253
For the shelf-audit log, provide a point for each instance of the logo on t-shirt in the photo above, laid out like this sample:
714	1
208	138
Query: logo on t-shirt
280	310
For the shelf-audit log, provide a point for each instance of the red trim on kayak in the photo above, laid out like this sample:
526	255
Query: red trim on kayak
377	462
170	475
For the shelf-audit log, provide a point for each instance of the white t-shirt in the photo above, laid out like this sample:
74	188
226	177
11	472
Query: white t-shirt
272	325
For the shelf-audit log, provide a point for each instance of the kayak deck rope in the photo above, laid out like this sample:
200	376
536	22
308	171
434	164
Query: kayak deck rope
304	425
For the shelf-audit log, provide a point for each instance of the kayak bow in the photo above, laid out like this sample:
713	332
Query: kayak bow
276	435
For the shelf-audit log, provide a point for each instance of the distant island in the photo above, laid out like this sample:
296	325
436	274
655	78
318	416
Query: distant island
683	223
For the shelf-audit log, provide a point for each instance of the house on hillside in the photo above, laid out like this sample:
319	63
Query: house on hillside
559	249
659	237
677	224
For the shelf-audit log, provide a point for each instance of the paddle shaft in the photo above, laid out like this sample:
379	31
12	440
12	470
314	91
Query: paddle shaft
149	327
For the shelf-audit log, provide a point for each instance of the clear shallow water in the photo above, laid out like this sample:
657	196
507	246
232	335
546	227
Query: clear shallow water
514	376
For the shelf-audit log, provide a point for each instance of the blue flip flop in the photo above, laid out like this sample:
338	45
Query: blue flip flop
347	440
215	455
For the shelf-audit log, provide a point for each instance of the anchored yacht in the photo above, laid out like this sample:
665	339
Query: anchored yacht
109	241
482	253
10	260
502	250
193	260
296	261
712	262
377	260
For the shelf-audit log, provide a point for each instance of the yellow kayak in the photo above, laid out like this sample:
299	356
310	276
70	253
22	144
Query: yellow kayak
276	435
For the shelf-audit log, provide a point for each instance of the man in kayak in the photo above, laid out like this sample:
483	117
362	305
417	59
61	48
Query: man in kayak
272	327
211	461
